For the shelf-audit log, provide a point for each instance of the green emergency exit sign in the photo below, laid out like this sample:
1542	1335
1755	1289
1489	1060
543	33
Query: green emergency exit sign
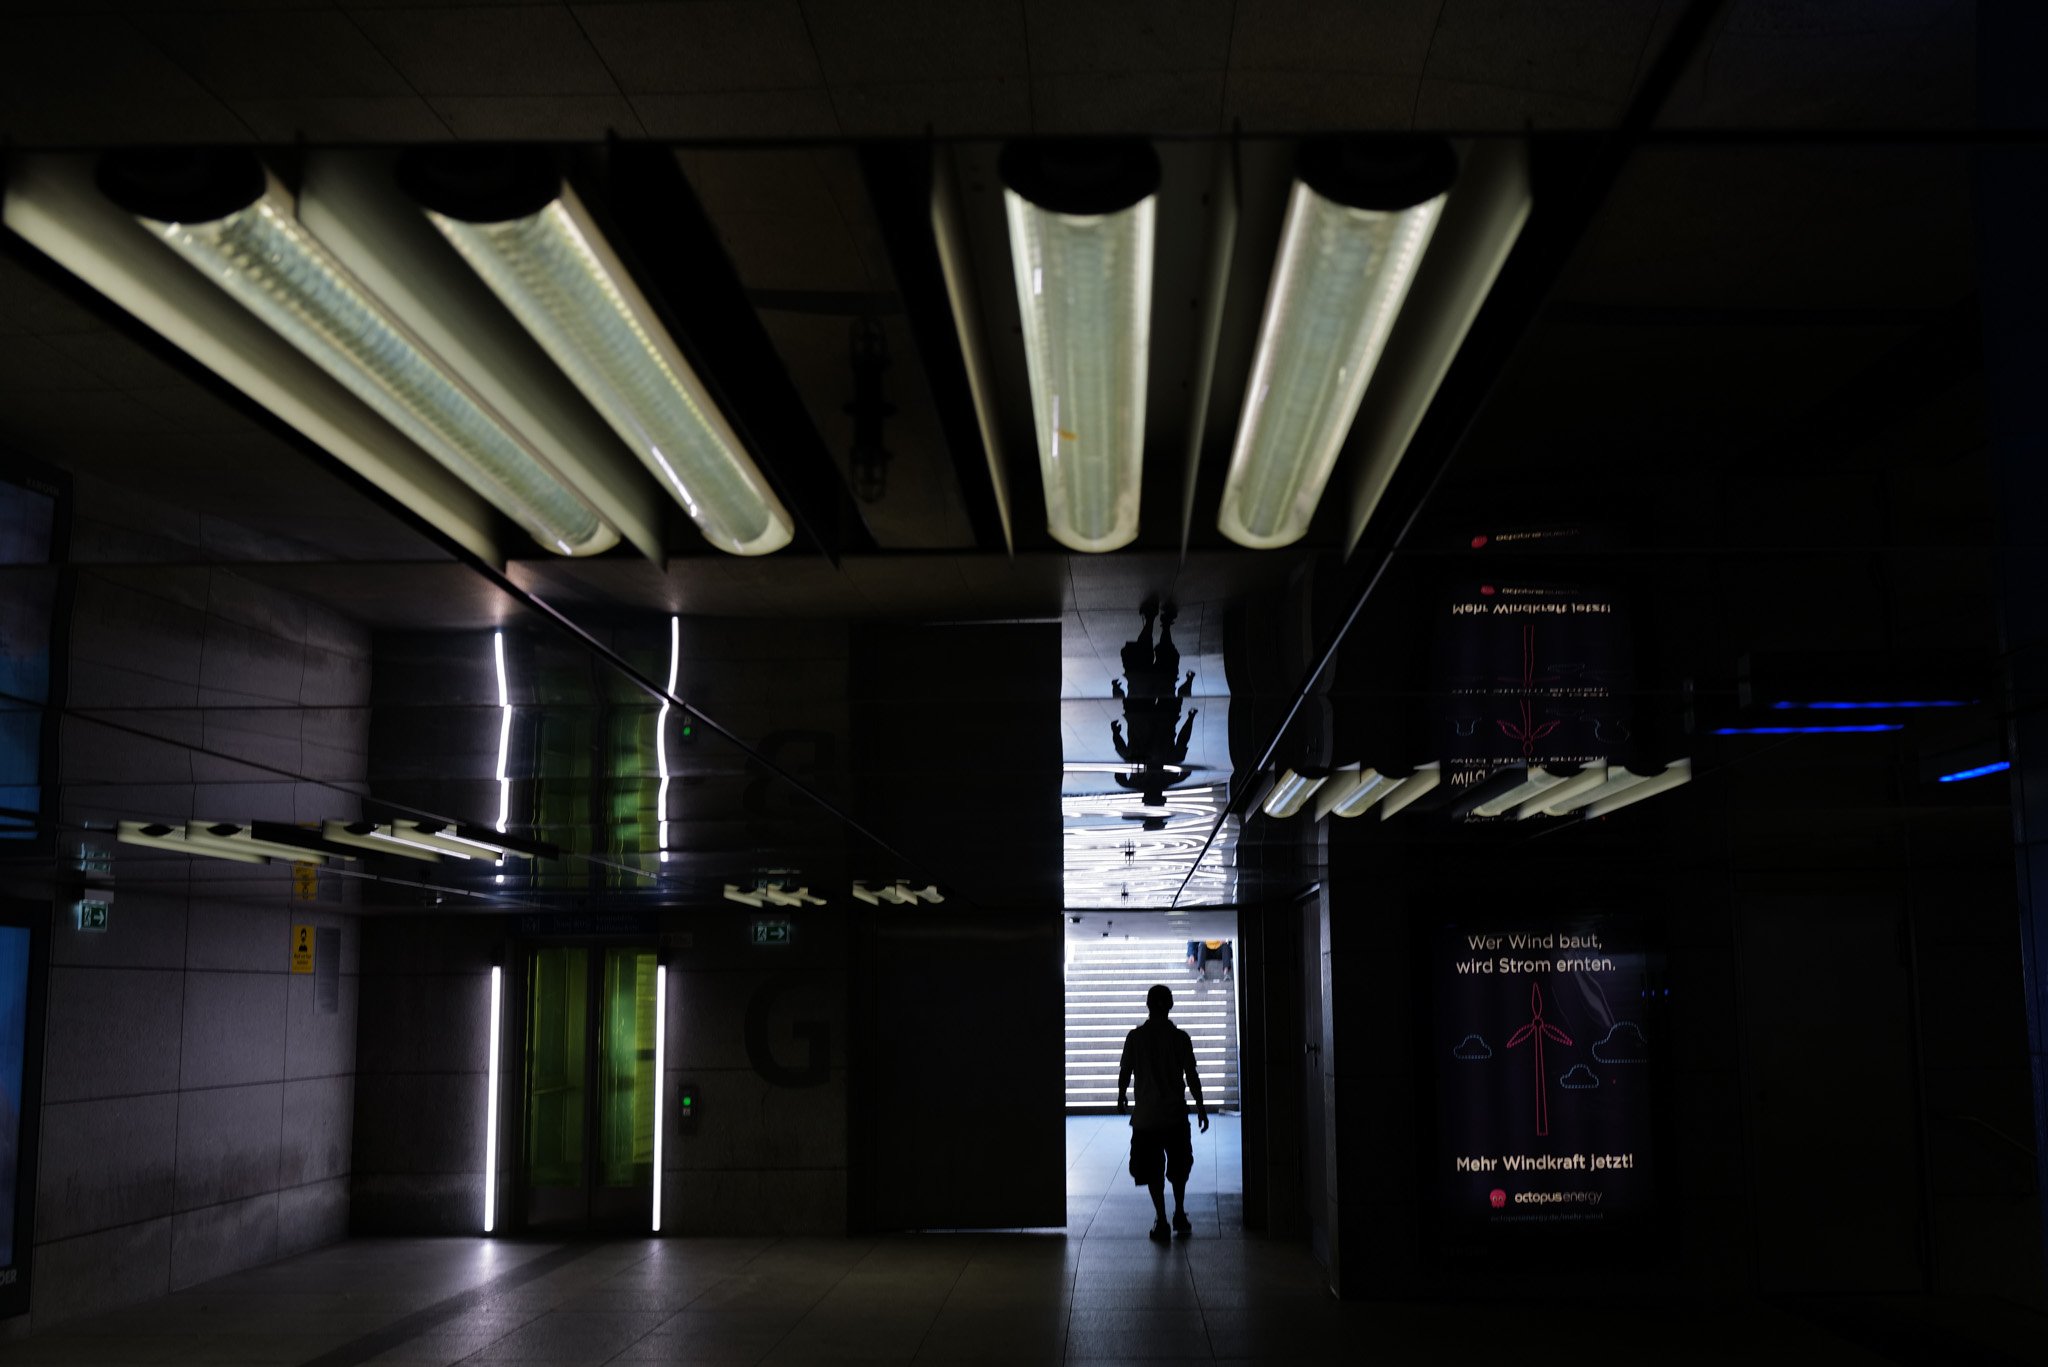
773	930
92	915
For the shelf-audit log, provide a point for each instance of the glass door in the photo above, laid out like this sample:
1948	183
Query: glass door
588	1088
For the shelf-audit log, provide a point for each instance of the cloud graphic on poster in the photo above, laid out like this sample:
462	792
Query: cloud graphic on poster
1579	1078
1624	1043
1471	1048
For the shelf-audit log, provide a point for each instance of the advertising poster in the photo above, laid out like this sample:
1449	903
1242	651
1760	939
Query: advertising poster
1548	1044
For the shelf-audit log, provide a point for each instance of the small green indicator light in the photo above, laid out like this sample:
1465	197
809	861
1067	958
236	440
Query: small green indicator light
686	1101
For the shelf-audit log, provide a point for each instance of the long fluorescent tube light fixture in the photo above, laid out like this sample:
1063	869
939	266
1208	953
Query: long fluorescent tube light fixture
524	231
1981	771
1081	223
1537	781
1900	706
1371	788
234	838
491	1103
1409	790
1568	796
1678	772
660	1075
1359	219
161	836
371	835
1291	791
1619	778
55	204
231	220
1864	729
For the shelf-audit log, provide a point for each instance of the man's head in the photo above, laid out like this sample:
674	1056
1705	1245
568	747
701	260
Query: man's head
1159	1000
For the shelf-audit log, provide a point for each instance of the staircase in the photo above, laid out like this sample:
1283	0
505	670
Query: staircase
1106	986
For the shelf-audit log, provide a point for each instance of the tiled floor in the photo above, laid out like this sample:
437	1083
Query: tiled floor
1099	1292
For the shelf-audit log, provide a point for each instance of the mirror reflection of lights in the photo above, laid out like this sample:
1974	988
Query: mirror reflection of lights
661	740
504	740
1111	860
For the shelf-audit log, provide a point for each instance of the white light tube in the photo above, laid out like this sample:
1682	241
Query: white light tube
1372	786
226	835
660	1077
160	836
752	899
1678	772
861	894
1425	777
661	740
352	203
491	1105
1618	780
567	287
1337	288
379	838
1572	791
53	203
266	260
1084	287
1291	792
459	846
1538	780
1342	783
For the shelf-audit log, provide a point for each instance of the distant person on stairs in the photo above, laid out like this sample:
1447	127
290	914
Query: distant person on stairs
1161	1057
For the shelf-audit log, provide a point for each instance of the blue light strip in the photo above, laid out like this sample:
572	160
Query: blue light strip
1979	772
1808	730
1898	706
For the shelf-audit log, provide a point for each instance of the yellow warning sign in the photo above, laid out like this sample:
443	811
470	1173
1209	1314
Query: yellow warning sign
302	949
305	882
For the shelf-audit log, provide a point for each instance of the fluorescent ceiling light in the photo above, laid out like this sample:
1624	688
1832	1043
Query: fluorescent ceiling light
751	899
1408	790
240	230
1358	222
54	204
463	842
1981	771
541	253
1567	796
862	894
368	835
1371	787
1291	791
157	835
351	202
1678	772
227	836
1080	219
1539	780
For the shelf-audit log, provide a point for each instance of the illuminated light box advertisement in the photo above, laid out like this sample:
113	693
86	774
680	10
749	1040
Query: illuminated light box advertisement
1548	1040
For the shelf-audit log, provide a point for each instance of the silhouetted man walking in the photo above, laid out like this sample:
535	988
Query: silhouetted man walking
1161	1057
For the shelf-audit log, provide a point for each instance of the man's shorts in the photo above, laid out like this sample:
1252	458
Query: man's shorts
1166	1151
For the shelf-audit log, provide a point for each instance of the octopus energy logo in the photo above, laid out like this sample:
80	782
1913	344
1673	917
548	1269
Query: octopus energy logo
1497	1198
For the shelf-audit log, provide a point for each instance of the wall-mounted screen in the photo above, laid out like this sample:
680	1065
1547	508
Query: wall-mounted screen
15	980
1548	1040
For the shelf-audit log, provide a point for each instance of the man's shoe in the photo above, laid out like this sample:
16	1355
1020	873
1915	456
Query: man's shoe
1159	1233
1181	1225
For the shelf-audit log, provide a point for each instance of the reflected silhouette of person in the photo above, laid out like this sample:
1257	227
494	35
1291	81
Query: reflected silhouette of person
1152	707
1161	1058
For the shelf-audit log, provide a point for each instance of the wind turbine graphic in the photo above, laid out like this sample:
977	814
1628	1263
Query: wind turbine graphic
1534	1032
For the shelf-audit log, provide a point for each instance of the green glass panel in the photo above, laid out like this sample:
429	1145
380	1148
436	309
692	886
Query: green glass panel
557	1017
626	1070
